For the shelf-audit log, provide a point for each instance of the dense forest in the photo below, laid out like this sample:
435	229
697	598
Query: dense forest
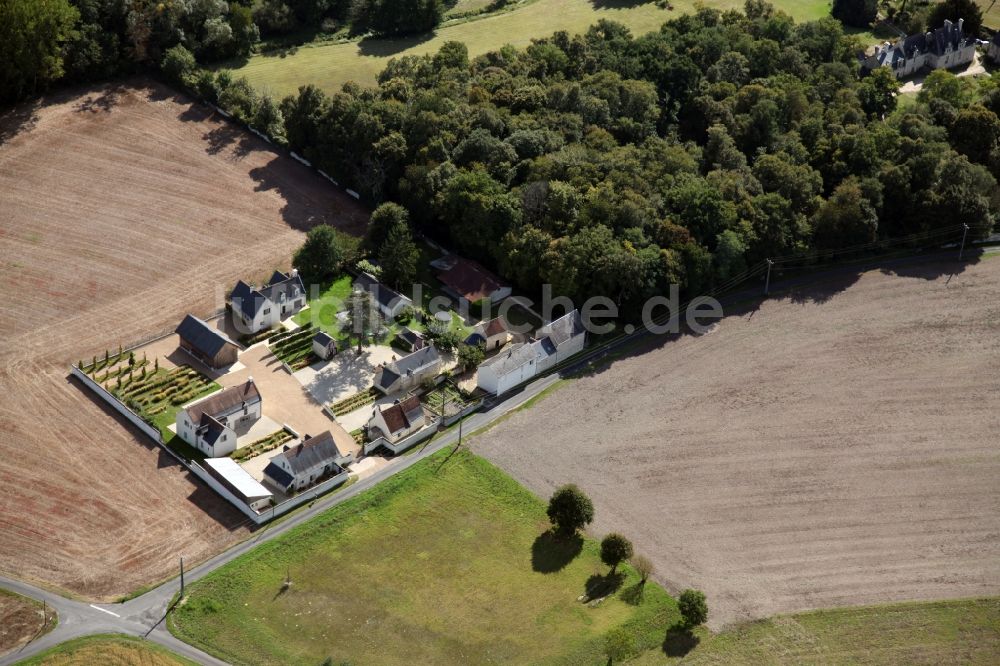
615	165
611	164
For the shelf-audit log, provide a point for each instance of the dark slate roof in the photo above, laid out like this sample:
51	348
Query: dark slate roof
403	414
313	452
385	296
224	401
289	285
323	338
247	299
559	331
408	365
935	41
209	429
547	346
470	280
202	336
278	475
409	336
475	339
387	378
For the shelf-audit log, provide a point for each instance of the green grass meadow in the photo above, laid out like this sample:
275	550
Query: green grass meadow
330	65
109	649
964	631
447	562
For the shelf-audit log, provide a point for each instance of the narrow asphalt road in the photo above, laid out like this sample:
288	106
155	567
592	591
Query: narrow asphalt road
144	615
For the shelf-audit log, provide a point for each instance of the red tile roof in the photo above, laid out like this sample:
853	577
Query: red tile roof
470	280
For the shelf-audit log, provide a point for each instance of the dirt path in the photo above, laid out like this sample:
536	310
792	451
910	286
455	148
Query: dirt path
812	453
124	207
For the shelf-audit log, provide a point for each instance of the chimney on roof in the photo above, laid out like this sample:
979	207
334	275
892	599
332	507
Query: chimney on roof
960	22
250	379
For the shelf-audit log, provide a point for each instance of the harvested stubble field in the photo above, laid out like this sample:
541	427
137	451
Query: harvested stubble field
830	448
124	207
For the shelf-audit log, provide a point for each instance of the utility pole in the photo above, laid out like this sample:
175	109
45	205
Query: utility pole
182	578
767	281
965	232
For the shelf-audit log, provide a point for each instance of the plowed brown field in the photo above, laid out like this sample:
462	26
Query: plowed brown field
122	208
815	452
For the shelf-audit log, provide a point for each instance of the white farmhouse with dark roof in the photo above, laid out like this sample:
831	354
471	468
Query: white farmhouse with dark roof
555	342
396	421
259	309
408	372
213	424
315	459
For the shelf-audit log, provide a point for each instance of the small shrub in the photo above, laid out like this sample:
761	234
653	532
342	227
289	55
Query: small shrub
693	608
644	566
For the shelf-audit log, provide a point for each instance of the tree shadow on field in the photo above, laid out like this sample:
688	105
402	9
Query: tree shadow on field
799	286
616	4
551	552
633	594
19	119
679	641
225	136
382	47
103	101
599	586
302	211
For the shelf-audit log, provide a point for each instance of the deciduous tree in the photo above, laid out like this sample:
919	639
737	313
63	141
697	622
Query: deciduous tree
570	509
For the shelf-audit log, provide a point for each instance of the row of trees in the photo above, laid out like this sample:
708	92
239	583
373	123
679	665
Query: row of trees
613	165
570	510
382	17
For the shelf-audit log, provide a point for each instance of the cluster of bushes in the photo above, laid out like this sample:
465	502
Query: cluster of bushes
269	443
570	510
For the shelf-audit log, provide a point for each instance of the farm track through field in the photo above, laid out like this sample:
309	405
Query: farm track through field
125	207
830	448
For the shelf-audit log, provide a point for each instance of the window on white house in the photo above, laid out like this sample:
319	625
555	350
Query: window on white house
267	310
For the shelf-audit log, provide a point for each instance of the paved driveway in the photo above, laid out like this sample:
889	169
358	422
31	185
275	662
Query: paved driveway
345	374
285	400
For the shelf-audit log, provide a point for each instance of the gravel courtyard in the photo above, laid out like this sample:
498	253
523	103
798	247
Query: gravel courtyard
823	450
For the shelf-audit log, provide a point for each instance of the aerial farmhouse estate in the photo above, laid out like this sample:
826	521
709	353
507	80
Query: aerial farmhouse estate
259	309
212	425
299	466
520	362
395	421
408	372
942	48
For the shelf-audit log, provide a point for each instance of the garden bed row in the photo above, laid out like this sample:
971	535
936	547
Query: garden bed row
356	401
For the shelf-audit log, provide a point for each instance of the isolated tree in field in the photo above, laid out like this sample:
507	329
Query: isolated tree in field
469	356
398	257
644	566
856	13
321	256
570	509
362	317
694	610
615	549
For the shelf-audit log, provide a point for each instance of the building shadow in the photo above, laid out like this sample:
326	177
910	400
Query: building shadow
551	552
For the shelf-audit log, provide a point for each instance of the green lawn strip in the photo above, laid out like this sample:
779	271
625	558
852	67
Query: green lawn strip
263	445
330	65
108	649
322	310
965	631
436	564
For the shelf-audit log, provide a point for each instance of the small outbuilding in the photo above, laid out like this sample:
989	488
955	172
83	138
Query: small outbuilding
410	340
324	345
238	481
206	343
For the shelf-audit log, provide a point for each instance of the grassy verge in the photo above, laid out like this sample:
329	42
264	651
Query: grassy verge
944	632
115	649
323	309
21	620
446	562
